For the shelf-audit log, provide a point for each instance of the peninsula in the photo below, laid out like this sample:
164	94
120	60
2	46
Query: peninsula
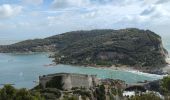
107	47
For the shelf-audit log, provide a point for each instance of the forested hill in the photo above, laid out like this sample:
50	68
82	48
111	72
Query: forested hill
102	47
52	43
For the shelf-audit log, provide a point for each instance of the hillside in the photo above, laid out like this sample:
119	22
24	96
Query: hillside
99	47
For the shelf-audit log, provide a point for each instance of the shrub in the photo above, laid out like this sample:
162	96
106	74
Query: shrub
10	93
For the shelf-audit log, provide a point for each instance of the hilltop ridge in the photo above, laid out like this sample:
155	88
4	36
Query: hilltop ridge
99	47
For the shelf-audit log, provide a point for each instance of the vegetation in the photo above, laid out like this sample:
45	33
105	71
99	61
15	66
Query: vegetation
70	98
165	86
100	47
50	93
166	83
10	93
149	96
100	93
83	93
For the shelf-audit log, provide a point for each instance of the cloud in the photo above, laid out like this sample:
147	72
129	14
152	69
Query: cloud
33	2
148	11
70	3
162	1
8	11
156	11
89	3
68	15
108	14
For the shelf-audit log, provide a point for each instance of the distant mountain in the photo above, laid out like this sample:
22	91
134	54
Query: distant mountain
99	47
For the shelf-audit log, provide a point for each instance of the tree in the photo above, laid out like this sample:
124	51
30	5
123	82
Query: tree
166	84
100	92
149	96
7	93
10	93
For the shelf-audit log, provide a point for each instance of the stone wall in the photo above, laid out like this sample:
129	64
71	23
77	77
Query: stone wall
67	82
70	80
81	81
43	80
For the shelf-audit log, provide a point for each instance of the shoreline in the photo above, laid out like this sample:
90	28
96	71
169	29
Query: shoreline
131	70
124	68
155	71
121	68
135	70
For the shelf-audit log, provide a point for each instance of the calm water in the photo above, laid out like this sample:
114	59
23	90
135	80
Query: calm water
23	69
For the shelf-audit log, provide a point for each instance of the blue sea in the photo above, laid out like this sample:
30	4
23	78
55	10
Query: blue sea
23	70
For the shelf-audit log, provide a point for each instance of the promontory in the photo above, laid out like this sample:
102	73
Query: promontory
106	47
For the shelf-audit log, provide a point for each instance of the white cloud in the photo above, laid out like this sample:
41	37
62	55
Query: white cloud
7	26
162	1
71	15
70	3
158	14
94	14
33	2
7	10
91	15
90	3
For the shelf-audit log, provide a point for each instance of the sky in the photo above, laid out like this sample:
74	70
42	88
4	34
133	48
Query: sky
29	19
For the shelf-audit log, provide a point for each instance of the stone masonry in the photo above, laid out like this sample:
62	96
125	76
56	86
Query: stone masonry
71	80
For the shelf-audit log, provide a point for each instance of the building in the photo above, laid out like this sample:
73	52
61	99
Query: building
67	81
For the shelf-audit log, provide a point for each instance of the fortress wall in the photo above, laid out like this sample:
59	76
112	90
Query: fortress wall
80	81
71	80
67	82
90	80
43	80
95	81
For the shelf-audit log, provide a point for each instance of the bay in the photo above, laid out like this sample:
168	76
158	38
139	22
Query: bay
23	70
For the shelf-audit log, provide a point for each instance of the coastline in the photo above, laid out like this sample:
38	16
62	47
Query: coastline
139	71
135	70
123	68
131	70
160	72
38	66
